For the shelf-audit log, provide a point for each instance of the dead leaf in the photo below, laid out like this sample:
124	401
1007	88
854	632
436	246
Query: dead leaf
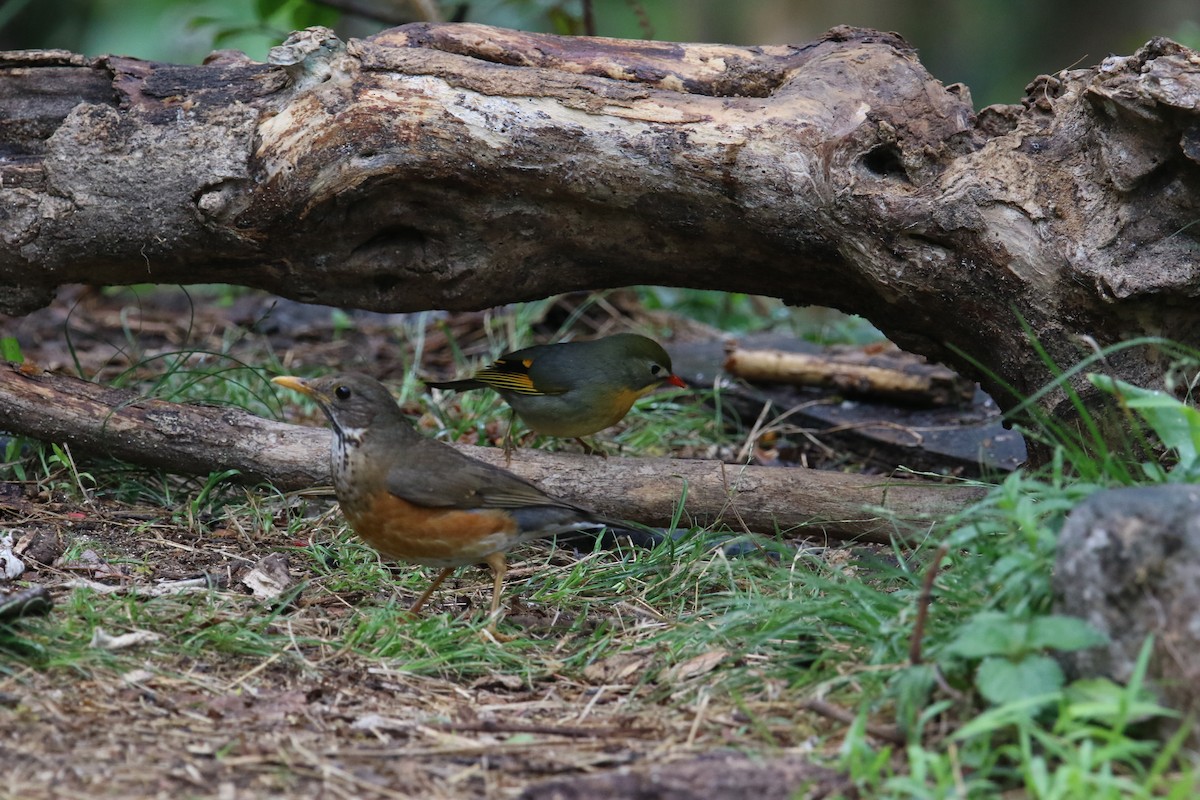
378	722
699	665
269	578
10	566
512	683
616	668
138	676
102	641
187	586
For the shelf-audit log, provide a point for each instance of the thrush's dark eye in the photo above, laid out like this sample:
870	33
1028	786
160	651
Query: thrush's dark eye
342	393
655	369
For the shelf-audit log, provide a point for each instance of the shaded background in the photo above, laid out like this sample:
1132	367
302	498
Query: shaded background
994	46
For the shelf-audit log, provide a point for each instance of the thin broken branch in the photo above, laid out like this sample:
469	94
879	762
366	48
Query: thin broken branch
203	440
891	376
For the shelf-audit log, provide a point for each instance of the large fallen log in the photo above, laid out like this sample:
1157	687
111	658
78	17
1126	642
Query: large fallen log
462	166
204	439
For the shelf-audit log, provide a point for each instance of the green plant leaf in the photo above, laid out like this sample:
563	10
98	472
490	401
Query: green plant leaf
226	35
265	9
307	15
563	23
202	21
10	349
1001	680
912	688
1103	700
996	719
1060	632
1175	423
990	634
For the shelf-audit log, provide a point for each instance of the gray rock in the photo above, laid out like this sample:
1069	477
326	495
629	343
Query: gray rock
1129	563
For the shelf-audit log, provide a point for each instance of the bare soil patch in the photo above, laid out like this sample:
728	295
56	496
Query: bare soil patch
315	721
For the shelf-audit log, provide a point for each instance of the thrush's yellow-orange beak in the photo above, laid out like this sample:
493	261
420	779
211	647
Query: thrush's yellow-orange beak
293	383
675	380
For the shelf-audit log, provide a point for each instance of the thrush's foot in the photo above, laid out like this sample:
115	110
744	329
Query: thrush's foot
590	448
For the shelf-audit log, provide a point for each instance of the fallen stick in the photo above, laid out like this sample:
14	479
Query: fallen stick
891	375
200	440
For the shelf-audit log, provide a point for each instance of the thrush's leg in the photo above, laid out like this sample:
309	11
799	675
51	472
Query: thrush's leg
509	445
499	567
432	588
590	449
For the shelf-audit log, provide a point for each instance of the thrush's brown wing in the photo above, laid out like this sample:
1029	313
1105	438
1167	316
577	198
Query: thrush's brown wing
436	475
432	474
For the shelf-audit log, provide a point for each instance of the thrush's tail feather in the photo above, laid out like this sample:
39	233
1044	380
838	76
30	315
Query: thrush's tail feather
507	375
569	525
613	535
554	519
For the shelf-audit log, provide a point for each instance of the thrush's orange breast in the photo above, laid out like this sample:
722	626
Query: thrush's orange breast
576	413
435	537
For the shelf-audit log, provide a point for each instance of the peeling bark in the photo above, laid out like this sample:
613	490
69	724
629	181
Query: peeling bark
461	166
202	440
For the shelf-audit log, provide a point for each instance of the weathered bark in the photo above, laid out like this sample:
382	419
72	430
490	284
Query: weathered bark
199	439
460	166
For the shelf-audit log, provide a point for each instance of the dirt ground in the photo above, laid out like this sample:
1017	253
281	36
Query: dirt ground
313	720
320	722
298	722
